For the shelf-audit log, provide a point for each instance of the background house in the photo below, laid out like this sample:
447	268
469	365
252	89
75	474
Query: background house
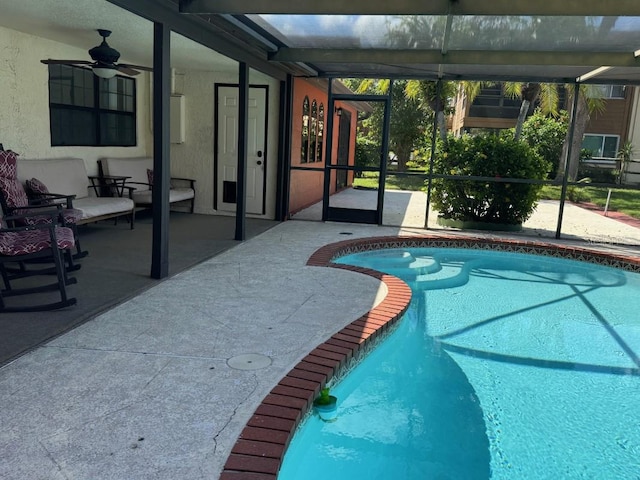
605	134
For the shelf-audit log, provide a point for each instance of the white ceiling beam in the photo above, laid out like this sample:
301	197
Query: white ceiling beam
468	57
417	7
593	73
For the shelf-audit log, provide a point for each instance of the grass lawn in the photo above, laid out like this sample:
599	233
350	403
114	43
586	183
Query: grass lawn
624	201
394	182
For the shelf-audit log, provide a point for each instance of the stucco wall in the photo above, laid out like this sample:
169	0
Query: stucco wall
307	187
24	101
195	157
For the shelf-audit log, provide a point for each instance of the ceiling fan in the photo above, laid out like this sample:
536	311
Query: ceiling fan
104	60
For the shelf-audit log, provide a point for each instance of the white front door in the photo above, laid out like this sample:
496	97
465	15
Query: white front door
227	154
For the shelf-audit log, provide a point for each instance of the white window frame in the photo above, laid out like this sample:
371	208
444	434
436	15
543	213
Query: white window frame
611	91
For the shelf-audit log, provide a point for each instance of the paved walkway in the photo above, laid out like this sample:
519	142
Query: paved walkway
407	209
161	386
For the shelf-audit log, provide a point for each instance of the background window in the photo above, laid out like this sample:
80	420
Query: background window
304	154
320	132
314	131
601	146
611	91
86	110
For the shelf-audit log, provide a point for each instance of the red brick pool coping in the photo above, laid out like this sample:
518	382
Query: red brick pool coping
258	453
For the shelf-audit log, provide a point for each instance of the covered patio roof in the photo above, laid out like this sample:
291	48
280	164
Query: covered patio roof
589	41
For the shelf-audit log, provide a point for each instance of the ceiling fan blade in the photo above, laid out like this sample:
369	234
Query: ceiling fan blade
66	62
137	67
126	70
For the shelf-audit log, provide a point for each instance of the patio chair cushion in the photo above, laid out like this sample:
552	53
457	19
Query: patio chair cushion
11	189
134	168
8	164
175	195
66	176
13	192
37	190
70	215
32	241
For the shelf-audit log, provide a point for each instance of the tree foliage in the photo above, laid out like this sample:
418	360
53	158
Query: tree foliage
546	134
589	100
410	119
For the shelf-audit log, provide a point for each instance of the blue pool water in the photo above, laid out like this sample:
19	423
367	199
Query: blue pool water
506	366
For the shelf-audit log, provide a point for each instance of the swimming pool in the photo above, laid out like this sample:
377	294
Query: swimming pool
505	366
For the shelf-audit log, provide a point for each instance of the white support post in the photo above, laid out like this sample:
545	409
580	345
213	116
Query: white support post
606	206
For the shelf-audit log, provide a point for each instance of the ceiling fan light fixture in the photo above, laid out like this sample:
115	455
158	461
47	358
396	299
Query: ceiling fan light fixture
104	71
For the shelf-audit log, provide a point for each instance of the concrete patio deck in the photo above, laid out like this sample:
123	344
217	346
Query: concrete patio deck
161	386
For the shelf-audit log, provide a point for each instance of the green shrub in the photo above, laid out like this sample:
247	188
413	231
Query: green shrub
485	201
367	154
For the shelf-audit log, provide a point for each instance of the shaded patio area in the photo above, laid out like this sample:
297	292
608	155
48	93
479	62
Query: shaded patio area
116	269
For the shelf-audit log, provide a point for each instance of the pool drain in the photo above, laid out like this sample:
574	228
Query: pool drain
249	361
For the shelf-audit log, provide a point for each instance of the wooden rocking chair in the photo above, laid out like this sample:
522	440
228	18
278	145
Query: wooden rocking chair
15	201
42	241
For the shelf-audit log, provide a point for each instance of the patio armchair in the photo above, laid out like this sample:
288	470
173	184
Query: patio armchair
15	201
137	172
22	244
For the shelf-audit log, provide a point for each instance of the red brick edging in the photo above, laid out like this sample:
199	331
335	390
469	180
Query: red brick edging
258	453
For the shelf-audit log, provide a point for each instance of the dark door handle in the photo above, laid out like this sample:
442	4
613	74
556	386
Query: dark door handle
259	162
259	153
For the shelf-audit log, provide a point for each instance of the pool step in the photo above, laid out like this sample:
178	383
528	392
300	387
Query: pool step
421	271
419	266
449	276
392	258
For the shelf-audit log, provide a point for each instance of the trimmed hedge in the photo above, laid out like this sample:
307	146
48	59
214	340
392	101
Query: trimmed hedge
483	201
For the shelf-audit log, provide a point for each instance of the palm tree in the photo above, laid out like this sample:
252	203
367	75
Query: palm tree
410	116
589	100
624	156
426	91
529	93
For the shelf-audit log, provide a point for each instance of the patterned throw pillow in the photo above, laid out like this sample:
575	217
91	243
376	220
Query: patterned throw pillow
150	177
37	190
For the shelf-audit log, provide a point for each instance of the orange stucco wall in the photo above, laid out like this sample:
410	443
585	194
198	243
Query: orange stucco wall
307	186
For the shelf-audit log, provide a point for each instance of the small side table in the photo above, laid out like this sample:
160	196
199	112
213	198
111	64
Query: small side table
110	181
